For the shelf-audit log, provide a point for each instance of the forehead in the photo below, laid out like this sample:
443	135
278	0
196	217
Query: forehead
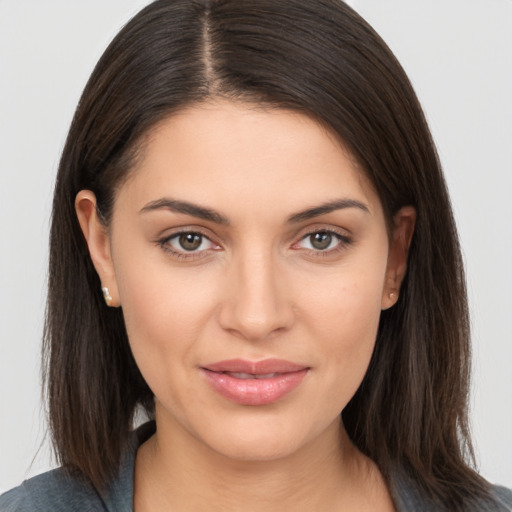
223	150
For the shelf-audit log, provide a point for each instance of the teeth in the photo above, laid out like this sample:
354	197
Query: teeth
242	375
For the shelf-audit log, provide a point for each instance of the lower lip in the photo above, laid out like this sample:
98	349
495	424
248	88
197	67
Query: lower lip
254	391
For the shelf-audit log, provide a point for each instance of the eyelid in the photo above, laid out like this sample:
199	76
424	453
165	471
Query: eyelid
343	237
344	240
163	242
324	228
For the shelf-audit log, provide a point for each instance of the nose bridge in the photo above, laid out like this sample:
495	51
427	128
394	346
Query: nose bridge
256	305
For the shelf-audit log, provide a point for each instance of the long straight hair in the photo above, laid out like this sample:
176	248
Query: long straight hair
317	57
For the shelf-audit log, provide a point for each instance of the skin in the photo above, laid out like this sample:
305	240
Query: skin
257	287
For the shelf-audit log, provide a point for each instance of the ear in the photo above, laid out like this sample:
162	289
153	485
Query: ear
98	241
403	229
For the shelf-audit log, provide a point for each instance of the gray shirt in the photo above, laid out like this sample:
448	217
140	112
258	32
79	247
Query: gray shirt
56	491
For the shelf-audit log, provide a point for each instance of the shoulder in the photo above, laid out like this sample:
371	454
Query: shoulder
58	491
503	497
409	497
54	491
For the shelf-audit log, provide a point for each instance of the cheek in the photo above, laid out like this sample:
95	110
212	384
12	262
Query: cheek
348	304
345	319
168	314
163	313
351	332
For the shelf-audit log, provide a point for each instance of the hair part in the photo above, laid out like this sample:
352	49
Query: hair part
321	59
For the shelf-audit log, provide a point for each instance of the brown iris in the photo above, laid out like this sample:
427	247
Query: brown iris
321	240
190	241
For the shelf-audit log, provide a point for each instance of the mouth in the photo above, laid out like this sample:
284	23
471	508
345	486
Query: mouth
254	383
242	375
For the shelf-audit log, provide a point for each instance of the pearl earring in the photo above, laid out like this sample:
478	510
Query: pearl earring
106	295
393	297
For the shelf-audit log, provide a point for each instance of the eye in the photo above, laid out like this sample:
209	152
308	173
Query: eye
323	241
187	243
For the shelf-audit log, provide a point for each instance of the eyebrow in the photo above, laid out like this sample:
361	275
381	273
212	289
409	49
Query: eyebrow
323	209
186	208
211	215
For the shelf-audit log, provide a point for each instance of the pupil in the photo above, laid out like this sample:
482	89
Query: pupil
190	241
321	240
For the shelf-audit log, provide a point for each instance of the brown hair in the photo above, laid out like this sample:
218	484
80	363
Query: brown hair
320	58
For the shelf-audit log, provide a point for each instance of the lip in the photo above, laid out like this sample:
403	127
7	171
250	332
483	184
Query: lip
273	379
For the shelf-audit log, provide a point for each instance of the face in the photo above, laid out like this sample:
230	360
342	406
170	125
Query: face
251	260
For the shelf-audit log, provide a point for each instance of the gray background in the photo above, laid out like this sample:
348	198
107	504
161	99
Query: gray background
458	54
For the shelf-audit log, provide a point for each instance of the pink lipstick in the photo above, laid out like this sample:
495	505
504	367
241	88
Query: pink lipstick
254	383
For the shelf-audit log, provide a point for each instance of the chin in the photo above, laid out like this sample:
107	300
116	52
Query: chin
261	439
256	450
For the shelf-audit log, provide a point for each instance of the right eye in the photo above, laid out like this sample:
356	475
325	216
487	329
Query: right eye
187	244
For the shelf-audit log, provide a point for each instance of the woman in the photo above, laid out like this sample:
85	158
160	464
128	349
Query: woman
252	240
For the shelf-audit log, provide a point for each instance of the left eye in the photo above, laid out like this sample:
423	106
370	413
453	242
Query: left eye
321	241
189	242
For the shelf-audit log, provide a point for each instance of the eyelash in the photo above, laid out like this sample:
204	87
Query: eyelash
343	242
185	255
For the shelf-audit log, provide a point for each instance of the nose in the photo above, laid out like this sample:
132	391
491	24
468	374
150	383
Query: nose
256	303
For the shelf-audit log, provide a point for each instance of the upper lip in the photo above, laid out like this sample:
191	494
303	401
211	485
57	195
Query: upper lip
266	366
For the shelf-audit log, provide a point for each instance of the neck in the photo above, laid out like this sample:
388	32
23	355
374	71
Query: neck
175	471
